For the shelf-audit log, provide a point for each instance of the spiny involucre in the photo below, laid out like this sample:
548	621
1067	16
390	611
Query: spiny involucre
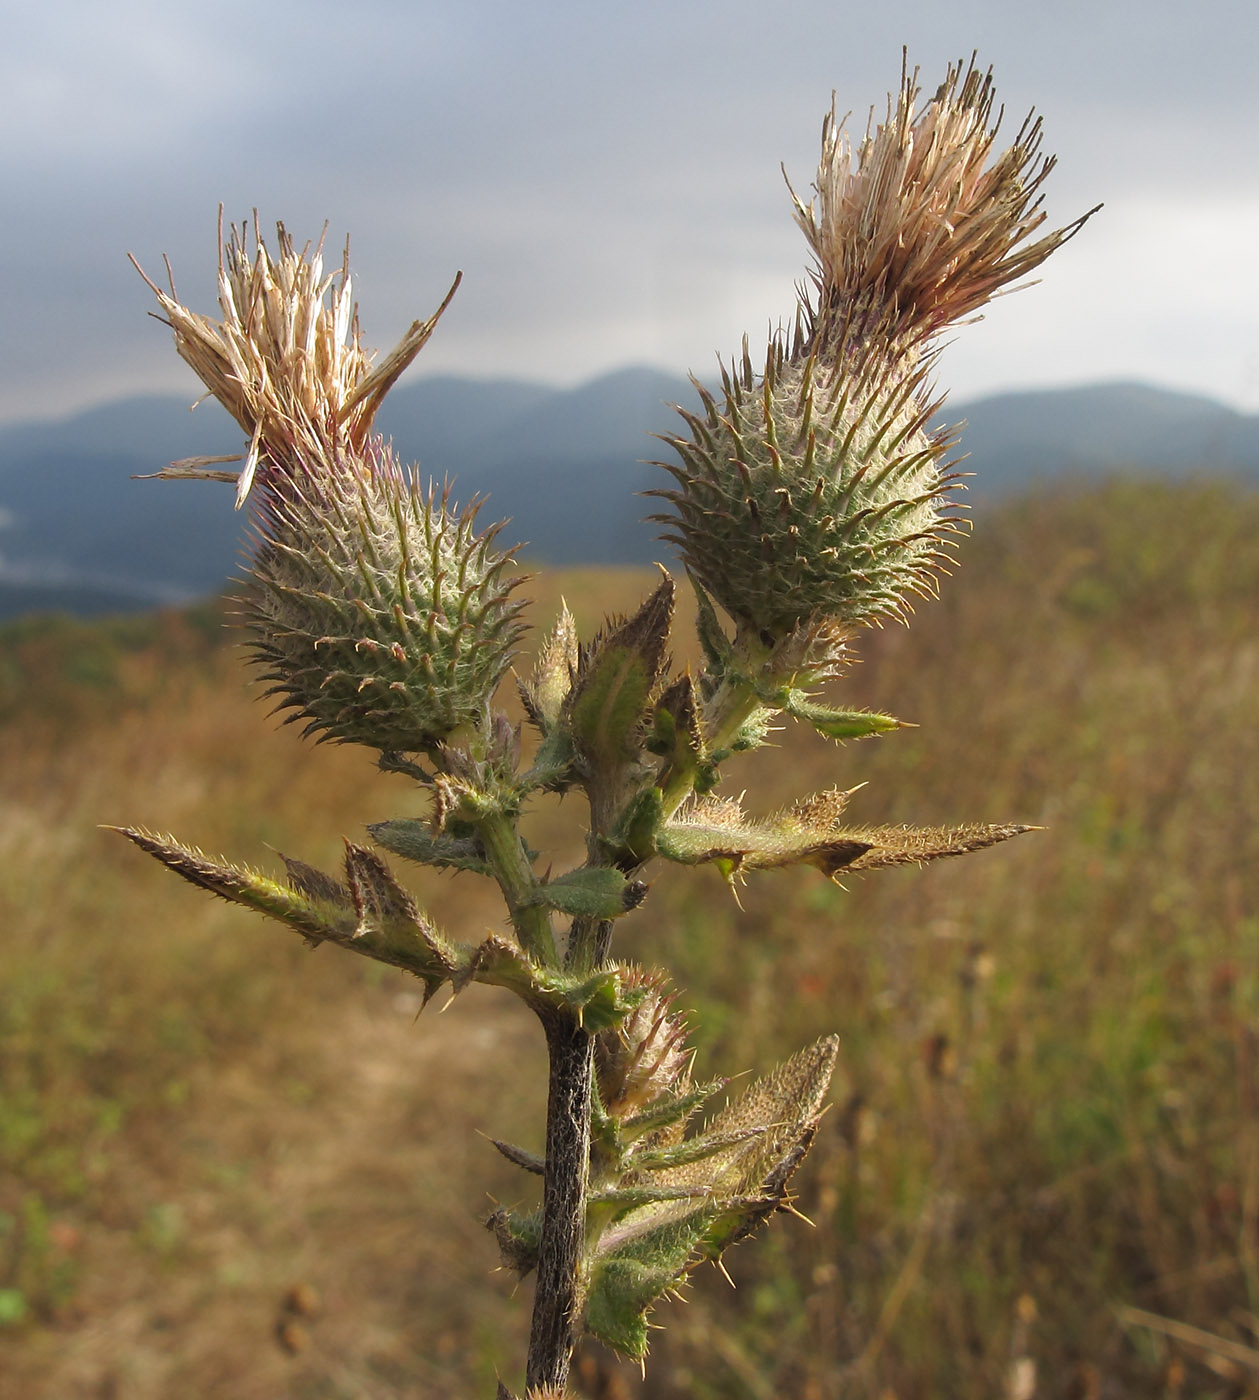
813	488
378	612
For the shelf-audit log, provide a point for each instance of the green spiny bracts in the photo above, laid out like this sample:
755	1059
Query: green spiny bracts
815	490
378	612
684	1199
808	494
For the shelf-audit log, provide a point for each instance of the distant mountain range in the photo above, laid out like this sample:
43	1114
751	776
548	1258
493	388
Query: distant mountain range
77	534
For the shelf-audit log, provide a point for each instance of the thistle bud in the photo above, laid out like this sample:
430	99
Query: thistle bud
815	489
645	1056
378	612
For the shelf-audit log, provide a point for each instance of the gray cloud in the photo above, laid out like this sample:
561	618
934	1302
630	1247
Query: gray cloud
607	177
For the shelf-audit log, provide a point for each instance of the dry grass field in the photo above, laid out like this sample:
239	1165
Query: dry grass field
233	1167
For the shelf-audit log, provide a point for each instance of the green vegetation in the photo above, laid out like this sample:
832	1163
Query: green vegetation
219	1153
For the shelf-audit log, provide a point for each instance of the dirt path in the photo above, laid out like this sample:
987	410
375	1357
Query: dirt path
322	1243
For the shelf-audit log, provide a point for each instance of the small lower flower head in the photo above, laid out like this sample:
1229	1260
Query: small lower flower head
646	1055
378	612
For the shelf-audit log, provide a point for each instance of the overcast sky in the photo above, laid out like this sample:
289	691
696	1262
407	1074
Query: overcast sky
607	177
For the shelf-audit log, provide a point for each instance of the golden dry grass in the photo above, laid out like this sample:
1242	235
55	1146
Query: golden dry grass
1043	1163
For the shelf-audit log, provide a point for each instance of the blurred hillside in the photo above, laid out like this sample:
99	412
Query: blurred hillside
230	1166
76	533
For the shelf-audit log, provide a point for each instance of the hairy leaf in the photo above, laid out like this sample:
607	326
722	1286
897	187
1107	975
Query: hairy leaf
370	914
618	673
686	1200
519	1157
625	1284
671	1110
909	845
717	830
519	1238
414	840
597	892
809	833
838	724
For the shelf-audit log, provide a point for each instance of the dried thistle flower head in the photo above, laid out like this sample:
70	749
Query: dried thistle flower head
378	612
286	360
814	489
928	226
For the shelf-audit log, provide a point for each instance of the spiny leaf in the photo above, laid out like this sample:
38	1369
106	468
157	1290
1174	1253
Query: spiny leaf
497	963
552	769
371	914
787	1104
519	1157
597	892
907	845
752	733
779	1102
634	840
305	879
617	675
671	1110
597	1000
766	1133
712	636
644	1195
838	724
678	734
809	833
414	840
720	1187
379	900
386	912
624	1285
694	1149
716	830
519	1238
325	914
458	804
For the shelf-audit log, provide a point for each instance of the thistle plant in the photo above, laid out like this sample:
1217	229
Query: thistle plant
812	496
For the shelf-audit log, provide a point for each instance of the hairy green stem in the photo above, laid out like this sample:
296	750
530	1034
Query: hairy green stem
506	857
